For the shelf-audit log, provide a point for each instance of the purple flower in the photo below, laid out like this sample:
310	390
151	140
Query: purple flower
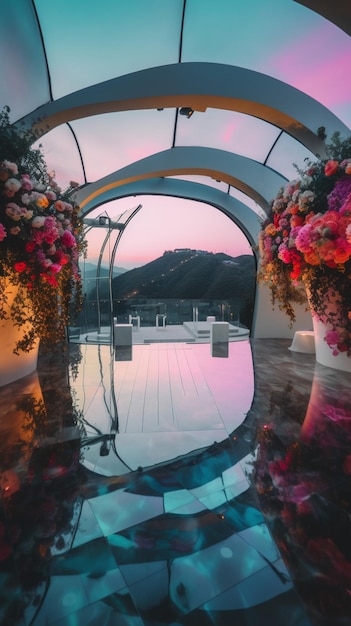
337	197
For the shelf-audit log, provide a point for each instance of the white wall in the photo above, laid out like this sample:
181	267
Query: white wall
272	323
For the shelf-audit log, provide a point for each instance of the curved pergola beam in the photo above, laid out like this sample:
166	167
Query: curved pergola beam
235	170
245	218
199	86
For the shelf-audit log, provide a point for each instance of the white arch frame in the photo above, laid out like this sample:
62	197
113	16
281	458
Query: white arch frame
199	86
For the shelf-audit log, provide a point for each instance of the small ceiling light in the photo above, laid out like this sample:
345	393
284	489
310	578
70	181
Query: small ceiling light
187	111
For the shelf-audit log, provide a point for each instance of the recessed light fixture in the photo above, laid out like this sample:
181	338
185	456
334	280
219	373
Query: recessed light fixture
187	111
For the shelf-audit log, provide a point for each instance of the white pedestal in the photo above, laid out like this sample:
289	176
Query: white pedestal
123	334
219	338
219	332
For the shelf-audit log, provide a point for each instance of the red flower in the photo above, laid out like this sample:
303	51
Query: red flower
30	246
20	267
331	167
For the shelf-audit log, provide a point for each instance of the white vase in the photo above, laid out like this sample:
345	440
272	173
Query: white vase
324	353
13	366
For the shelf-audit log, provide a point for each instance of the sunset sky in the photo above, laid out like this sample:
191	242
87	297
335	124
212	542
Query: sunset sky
165	224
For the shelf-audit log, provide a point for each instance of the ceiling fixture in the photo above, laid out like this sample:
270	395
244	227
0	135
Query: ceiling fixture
187	111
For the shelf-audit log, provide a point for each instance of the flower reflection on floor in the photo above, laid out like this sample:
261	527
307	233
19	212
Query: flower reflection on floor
302	475
188	540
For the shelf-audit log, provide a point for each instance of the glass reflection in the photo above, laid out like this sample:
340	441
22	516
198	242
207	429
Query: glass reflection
93	531
302	475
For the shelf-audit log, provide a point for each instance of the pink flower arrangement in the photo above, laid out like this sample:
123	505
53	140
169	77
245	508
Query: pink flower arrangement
306	240
41	238
31	228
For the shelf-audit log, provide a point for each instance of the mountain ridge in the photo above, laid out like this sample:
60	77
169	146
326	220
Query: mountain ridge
186	273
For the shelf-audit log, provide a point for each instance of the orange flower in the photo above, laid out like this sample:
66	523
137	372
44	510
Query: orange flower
271	230
312	258
41	201
331	167
294	209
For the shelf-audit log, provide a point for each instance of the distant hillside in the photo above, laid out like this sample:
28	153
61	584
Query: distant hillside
88	272
190	274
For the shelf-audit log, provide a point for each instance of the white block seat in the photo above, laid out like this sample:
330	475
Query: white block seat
303	341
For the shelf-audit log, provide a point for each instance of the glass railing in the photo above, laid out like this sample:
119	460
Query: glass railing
96	316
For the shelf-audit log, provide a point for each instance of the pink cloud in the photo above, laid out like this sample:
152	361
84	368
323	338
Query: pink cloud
318	63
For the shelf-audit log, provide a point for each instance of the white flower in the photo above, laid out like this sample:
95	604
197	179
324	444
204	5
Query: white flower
306	197
11	186
26	198
38	221
306	181
10	166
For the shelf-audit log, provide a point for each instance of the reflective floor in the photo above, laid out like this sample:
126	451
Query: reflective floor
171	485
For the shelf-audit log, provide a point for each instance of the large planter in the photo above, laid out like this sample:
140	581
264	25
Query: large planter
326	355
13	366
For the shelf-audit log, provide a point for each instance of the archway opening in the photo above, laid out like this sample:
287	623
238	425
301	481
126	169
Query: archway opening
175	255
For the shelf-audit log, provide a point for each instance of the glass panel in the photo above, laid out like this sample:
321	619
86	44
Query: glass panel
236	193
23	73
227	130
112	141
291	46
62	156
107	40
296	152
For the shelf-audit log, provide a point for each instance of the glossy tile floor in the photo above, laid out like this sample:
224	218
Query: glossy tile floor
170	485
